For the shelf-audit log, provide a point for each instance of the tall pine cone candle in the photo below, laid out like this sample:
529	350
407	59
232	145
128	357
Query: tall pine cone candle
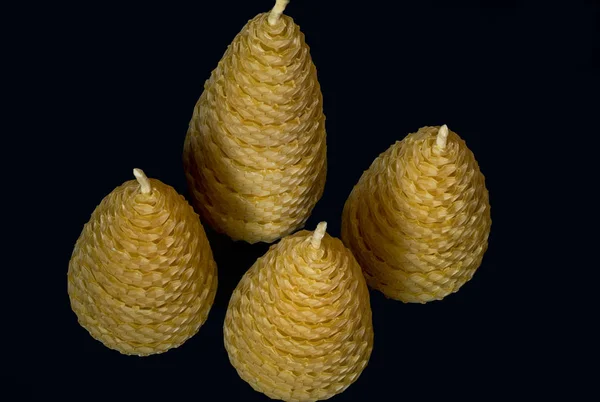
298	326
255	150
142	278
419	218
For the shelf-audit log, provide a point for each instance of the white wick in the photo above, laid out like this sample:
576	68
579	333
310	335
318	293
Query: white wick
277	11
318	234
442	137
143	180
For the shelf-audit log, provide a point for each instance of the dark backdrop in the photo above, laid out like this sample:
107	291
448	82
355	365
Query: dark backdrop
119	85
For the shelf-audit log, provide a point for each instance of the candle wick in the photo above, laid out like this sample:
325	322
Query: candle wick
143	180
442	137
277	11
318	234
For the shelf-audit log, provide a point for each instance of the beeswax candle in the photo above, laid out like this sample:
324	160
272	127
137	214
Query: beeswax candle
419	218
298	326
142	277
255	150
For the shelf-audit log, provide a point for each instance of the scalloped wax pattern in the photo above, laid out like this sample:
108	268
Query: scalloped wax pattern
255	150
418	220
142	278
298	326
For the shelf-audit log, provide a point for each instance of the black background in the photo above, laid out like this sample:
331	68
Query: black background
117	85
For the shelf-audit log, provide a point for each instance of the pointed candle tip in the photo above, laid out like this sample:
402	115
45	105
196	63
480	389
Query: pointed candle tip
442	137
277	11
143	180
318	234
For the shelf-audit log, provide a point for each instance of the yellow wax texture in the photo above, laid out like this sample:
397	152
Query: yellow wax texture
255	150
298	326
142	277
418	220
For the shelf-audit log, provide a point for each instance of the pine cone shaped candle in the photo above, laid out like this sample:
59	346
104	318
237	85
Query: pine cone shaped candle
255	150
298	326
142	278
419	218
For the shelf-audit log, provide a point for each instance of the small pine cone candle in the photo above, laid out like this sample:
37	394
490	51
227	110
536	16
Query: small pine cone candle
255	150
419	218
142	278
298	326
